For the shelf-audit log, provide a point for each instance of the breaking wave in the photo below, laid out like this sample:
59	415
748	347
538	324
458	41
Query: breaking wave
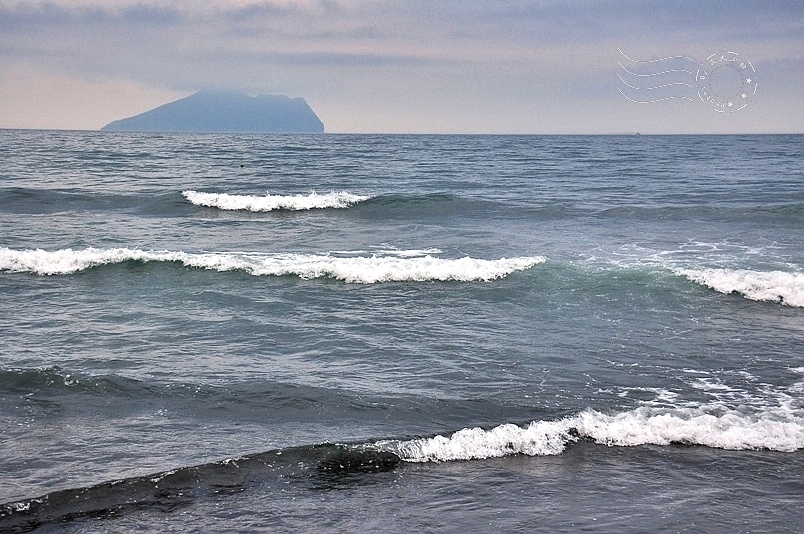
396	267
326	464
772	286
225	201
642	426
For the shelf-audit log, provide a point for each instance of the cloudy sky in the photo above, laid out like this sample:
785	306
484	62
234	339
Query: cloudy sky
411	66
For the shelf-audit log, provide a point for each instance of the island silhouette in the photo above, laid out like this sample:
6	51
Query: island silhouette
225	111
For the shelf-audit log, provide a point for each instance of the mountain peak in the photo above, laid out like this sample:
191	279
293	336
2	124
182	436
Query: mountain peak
225	111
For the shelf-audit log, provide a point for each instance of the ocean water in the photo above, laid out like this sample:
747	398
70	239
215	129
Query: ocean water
212	333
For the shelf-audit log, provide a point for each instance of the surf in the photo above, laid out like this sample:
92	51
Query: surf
327	464
768	286
397	266
643	426
268	202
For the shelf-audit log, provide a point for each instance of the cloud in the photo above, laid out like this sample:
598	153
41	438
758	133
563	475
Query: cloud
33	99
39	17
450	64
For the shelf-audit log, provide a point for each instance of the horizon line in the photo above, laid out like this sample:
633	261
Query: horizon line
636	134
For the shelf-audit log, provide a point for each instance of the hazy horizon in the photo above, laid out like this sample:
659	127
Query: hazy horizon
406	66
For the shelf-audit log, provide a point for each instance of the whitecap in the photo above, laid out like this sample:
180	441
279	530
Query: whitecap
225	201
361	270
643	426
773	286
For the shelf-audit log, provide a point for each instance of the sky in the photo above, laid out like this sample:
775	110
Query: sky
414	66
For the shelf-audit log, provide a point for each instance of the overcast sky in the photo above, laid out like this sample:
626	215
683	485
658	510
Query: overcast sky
407	66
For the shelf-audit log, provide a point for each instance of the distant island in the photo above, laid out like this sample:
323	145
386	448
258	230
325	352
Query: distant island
225	111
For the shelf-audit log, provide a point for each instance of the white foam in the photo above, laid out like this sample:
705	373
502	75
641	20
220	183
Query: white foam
774	286
389	252
642	426
224	201
67	261
408	253
362	270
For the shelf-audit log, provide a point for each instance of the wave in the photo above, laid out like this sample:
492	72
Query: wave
396	267
324	465
332	465
55	380
23	200
29	201
642	426
225	201
761	212
784	287
770	286
120	393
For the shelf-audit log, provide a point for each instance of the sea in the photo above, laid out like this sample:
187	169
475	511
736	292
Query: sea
401	333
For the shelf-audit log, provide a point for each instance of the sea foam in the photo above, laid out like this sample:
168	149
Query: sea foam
361	269
642	426
773	286
225	201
